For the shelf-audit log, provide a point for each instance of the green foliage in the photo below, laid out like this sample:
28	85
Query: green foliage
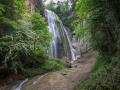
29	72
102	24
11	45
25	44
10	12
63	10
102	20
12	49
24	41
7	26
50	6
40	7
1	9
106	78
83	7
48	66
13	9
78	28
52	65
100	63
61	7
39	26
64	7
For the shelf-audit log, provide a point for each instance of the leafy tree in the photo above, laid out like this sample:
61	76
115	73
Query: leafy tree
10	12
39	26
100	18
63	10
50	6
102	21
23	39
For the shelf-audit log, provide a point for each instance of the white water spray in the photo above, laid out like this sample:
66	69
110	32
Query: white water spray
60	37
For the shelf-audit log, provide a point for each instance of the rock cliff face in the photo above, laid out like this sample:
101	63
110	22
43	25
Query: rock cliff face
35	5
31	5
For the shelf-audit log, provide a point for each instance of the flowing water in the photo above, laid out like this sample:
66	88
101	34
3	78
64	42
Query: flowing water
61	44
18	87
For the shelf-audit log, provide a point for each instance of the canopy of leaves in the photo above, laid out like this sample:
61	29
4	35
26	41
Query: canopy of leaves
102	24
102	21
39	26
10	12
23	39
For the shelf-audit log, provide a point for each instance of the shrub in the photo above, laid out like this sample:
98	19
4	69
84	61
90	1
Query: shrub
47	66
105	78
52	65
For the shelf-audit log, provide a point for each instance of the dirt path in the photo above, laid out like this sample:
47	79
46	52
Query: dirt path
62	80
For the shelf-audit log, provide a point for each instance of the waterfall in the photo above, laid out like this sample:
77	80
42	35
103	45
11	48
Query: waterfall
61	44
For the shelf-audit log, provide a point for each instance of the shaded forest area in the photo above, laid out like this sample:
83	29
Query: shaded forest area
24	39
103	22
96	22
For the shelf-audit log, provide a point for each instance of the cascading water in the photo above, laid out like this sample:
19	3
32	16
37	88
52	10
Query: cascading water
61	41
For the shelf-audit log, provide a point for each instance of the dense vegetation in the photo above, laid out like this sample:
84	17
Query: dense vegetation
97	23
24	39
102	19
65	10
